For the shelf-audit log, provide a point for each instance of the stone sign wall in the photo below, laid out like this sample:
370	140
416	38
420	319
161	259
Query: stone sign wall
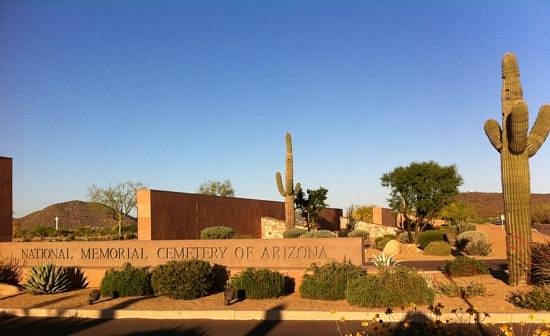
235	254
6	203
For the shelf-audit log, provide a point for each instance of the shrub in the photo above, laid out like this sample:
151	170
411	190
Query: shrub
47	279
426	237
360	233
473	243
183	279
293	233
465	266
467	227
217	232
438	248
318	234
43	232
537	299
328	282
343	233
452	289
540	257
129	281
403	237
398	287
10	270
259	283
380	242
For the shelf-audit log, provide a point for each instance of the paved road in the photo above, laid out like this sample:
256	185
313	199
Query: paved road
138	327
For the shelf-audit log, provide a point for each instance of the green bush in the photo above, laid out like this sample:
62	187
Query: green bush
467	227
259	283
43	232
343	233
537	299
47	279
360	233
293	233
129	281
540	270
438	248
391	288
452	289
328	282
183	279
426	237
380	242
473	243
10	270
403	237
465	266
318	234
217	232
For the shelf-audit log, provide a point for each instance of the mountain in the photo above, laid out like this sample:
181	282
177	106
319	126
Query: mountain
492	205
71	214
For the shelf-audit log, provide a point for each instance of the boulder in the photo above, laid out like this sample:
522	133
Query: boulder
6	289
393	247
410	249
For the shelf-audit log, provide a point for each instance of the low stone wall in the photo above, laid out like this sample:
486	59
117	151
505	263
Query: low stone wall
272	228
291	256
375	230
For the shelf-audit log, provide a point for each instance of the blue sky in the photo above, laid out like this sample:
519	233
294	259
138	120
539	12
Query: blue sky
173	93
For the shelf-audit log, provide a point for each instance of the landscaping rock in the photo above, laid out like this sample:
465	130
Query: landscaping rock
375	230
410	249
6	289
393	247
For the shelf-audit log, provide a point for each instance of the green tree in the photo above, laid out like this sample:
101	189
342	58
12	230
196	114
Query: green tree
311	206
458	213
421	189
217	188
120	198
363	213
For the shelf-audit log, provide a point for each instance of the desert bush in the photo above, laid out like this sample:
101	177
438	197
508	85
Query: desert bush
10	270
293	233
328	282
403	237
473	243
537	299
259	283
438	248
540	270
129	281
465	266
43	232
217	232
426	237
362	213
359	233
380	242
452	289
467	227
540	214
318	234
183	279
400	286
343	233
47	279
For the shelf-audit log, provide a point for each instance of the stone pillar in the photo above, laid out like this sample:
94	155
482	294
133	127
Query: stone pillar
144	214
6	201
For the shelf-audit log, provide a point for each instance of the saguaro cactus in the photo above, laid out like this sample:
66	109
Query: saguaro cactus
516	147
288	191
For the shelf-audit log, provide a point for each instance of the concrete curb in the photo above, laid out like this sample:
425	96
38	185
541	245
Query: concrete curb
286	315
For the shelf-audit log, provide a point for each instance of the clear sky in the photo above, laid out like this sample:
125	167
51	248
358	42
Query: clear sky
172	93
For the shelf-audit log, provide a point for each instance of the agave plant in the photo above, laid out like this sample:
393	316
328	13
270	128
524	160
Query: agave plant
47	279
382	261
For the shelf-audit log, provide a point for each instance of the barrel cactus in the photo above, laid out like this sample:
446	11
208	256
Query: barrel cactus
288	190
47	279
516	146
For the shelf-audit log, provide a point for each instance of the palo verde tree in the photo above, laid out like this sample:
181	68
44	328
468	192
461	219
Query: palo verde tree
419	191
120	198
217	188
311	206
516	145
458	214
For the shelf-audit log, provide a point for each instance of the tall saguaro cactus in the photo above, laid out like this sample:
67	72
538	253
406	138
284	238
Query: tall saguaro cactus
516	146
288	191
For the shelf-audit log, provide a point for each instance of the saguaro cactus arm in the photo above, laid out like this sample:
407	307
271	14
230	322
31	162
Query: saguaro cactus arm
279	182
517	123
540	130
494	133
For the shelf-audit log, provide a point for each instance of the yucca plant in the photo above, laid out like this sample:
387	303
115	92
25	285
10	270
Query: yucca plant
383	261
47	279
